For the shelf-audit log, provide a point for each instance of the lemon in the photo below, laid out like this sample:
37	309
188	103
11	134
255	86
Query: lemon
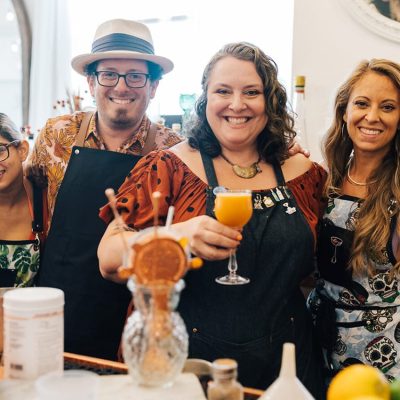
395	390
359	381
367	398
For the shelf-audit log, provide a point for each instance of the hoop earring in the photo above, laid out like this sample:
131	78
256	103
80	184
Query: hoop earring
343	134
397	144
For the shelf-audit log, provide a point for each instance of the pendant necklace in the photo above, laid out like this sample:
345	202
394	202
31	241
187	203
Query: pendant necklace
245	172
352	181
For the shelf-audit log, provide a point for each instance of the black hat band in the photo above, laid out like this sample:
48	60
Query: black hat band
122	41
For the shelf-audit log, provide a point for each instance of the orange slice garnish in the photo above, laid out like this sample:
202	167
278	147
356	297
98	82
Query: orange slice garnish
158	260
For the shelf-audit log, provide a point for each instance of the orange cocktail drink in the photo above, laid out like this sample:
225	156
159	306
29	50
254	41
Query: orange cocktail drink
233	208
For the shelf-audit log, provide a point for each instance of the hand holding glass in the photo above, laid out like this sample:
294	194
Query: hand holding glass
233	208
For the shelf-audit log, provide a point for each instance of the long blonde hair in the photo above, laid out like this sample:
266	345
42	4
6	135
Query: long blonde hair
372	228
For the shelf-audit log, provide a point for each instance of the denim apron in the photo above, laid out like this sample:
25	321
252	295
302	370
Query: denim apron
250	323
95	308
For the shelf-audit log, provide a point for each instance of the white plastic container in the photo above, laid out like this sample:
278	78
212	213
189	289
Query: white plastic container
3	290
33	332
69	385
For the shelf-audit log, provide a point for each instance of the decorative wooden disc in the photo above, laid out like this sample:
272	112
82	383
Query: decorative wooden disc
159	260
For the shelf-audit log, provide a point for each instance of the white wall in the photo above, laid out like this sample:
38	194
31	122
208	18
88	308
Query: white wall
50	68
10	65
190	43
328	43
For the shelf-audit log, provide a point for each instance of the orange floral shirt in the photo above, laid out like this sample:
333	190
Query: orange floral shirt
53	146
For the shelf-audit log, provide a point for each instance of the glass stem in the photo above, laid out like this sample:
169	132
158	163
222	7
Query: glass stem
232	265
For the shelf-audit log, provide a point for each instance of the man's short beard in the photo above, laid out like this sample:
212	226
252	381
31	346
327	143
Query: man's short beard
121	121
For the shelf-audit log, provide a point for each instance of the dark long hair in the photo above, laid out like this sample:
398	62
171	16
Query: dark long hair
273	142
8	130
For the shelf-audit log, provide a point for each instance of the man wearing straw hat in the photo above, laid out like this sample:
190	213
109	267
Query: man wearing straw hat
82	155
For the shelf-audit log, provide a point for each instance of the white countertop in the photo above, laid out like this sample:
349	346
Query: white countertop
115	387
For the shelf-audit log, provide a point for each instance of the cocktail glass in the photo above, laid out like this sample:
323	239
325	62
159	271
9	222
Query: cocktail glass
233	208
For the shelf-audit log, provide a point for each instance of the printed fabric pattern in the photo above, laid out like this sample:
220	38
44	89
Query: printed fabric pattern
54	144
24	257
179	186
372	334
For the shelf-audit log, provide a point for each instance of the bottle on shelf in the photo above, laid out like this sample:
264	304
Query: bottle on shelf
186	102
176	127
224	385
287	385
299	109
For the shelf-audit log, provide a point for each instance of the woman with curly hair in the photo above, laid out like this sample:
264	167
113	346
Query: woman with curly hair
239	139
359	252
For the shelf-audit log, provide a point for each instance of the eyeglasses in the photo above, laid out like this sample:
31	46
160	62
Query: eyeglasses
4	149
111	78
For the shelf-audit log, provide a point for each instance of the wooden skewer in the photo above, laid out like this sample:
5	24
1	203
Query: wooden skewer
170	217
120	223
156	207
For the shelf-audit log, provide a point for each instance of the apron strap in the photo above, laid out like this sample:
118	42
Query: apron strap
212	182
36	199
37	224
279	174
83	130
209	169
150	144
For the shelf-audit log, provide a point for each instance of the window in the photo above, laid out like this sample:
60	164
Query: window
10	67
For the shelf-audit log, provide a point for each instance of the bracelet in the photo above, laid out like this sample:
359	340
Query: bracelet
124	228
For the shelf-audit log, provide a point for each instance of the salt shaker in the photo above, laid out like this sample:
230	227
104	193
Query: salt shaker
224	385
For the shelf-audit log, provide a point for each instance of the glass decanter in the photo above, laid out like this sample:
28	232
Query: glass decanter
155	340
186	102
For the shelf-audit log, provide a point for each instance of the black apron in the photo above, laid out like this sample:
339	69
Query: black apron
251	322
95	309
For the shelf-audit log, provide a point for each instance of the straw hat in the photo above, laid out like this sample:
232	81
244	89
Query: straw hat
120	38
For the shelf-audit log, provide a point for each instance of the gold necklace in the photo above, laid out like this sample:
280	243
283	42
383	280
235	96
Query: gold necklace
351	180
245	172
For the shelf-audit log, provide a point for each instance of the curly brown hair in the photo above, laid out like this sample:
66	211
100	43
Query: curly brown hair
277	136
383	191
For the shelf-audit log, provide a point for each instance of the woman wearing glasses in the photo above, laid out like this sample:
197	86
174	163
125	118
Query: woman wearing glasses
21	211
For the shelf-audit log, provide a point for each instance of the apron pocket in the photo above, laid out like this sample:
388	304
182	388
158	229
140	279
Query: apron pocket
256	359
225	346
283	331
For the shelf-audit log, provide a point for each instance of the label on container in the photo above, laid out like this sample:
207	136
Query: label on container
34	344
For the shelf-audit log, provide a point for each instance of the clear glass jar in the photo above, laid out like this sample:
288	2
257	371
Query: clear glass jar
155	340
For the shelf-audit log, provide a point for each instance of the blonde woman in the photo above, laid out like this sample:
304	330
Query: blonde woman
357	298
